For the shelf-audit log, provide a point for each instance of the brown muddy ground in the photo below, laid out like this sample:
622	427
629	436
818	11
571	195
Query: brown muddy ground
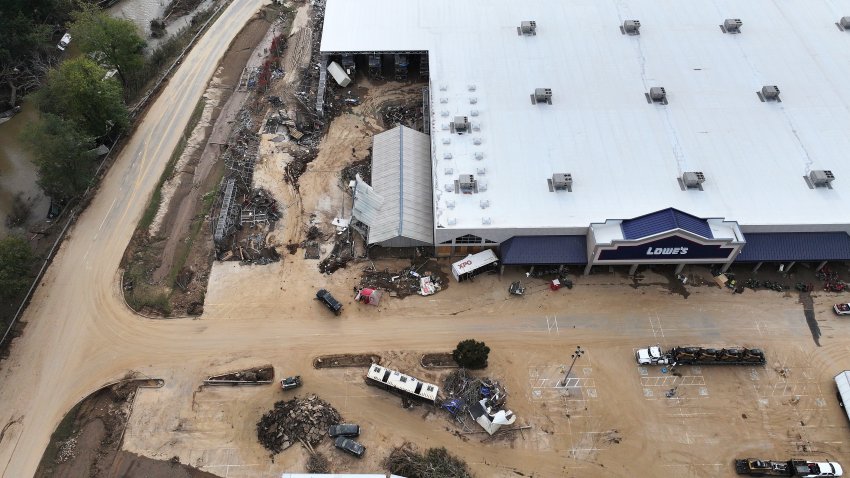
88	441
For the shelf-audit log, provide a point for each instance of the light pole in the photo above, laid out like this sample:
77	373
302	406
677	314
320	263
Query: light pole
578	353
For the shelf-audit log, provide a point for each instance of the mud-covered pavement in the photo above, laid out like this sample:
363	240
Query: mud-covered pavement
615	421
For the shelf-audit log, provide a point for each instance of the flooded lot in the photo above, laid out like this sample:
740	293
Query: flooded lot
17	172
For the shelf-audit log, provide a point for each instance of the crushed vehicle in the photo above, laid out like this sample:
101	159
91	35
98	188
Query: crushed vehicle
350	446
291	382
330	302
348	430
841	309
64	42
793	467
700	356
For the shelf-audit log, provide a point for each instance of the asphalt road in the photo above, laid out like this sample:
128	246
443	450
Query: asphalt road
77	323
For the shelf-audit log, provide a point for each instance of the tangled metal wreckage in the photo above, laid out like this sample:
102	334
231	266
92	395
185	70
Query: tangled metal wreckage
245	214
482	399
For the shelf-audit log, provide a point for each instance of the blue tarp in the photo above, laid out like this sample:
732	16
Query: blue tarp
795	246
531	250
663	221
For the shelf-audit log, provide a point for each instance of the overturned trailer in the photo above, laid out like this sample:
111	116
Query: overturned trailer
474	264
401	384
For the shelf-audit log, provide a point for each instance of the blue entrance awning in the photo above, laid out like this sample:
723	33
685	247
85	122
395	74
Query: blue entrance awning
795	246
532	250
663	221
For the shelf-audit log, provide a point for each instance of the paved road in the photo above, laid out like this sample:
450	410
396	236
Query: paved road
77	314
79	334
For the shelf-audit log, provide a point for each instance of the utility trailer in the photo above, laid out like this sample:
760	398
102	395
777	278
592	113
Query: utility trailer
794	467
700	356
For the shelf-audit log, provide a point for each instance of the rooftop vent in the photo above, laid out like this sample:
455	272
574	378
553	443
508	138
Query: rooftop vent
466	184
630	27
769	93
692	180
486	221
527	28
561	182
657	94
542	95
731	25
820	178
460	125
479	155
844	24
484	203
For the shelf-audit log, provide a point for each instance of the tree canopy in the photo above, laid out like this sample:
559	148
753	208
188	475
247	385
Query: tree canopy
16	259
25	26
471	354
78	91
115	39
62	156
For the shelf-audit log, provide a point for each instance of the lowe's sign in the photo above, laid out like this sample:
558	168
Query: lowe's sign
673	248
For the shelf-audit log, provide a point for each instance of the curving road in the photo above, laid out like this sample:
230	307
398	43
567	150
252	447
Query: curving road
79	334
77	324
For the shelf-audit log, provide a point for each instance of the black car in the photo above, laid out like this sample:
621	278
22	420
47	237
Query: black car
350	446
329	301
344	430
291	382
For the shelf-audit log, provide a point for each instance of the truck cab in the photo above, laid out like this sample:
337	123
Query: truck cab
822	469
650	356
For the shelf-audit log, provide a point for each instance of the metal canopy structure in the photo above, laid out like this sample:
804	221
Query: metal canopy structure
544	250
397	207
795	246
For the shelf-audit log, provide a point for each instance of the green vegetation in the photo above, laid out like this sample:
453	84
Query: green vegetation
115	41
79	92
471	354
16	260
62	155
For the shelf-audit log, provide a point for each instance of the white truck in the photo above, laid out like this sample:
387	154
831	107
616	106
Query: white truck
842	382
64	42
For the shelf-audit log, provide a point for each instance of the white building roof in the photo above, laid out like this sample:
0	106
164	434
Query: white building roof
624	154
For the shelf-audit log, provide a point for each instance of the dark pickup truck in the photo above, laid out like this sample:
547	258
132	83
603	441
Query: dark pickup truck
329	301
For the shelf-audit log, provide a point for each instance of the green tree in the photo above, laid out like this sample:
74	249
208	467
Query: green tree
78	91
471	354
16	259
115	40
62	156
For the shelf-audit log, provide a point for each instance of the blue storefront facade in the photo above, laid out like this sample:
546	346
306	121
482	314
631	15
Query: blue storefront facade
671	236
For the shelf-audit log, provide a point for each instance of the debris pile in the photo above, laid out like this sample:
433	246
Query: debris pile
409	115
362	167
405	460
298	164
424	279
318	463
341	254
483	399
251	376
303	420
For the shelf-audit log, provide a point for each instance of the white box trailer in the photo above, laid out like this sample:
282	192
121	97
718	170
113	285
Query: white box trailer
474	264
339	74
842	381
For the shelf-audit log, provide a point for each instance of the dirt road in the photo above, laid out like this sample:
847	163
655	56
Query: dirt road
75	326
80	336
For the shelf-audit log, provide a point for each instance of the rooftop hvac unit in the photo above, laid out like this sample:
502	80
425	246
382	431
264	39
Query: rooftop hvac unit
770	92
460	125
484	203
527	28
478	155
562	181
693	179
471	87
476	141
486	221
821	178
450	204
482	186
542	95
732	25
631	27
466	183
844	23
657	94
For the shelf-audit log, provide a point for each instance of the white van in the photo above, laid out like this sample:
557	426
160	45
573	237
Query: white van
842	381
63	43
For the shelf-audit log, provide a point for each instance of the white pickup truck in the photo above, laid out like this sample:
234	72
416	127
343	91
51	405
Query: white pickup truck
841	309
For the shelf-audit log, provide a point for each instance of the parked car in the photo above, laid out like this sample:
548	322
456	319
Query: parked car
344	430
291	382
64	42
350	446
841	309
329	301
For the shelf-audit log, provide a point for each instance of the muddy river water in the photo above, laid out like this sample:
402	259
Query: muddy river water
17	172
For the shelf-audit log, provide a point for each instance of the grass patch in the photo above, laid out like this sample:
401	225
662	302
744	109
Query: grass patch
185	248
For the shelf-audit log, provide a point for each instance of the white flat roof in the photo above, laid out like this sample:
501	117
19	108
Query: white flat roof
624	154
